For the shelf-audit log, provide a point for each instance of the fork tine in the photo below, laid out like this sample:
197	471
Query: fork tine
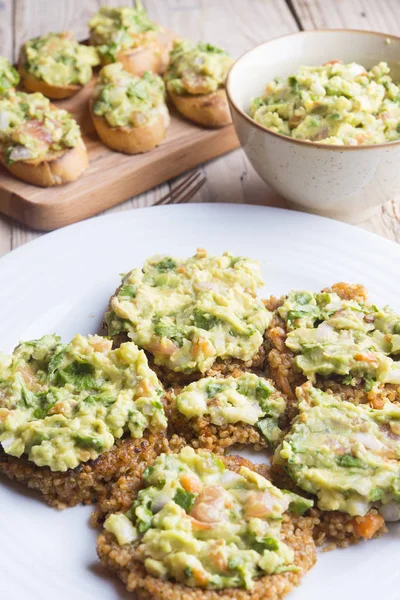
191	192
179	189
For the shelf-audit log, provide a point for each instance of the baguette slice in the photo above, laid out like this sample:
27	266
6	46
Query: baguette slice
210	110
132	140
54	92
138	60
63	167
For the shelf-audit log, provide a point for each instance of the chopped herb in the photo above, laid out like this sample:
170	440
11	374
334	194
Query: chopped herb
187	571
349	461
184	499
263	390
147	472
166	264
127	290
303	298
212	389
369	383
78	373
88	442
204	320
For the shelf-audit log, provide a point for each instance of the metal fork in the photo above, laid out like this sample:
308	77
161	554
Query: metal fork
185	190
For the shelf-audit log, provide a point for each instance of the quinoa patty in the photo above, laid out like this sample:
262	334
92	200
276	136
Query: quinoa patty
201	432
91	480
296	533
188	313
282	369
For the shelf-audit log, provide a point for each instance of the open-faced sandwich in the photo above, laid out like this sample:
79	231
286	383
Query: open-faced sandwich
204	526
9	77
39	143
128	36
194	316
195	80
75	417
128	111
56	65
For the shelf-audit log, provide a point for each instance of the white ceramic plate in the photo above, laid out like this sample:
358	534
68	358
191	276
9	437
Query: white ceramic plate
61	283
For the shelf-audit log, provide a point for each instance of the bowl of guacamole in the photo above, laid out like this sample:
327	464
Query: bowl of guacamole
318	115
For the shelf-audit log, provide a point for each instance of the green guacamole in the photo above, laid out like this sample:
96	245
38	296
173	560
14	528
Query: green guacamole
189	312
58	59
9	77
247	399
200	524
128	100
343	337
333	104
347	455
31	128
196	69
65	404
114	30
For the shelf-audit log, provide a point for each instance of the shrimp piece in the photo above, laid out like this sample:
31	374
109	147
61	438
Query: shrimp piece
101	344
209	505
218	557
165	347
262	504
29	377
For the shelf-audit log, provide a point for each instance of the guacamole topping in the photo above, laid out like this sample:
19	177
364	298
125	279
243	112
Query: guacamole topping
196	69
201	524
128	100
343	337
248	399
32	128
347	455
64	404
332	104
189	312
9	77
114	30
58	59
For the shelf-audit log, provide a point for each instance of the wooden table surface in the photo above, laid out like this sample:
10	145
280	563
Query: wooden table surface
236	25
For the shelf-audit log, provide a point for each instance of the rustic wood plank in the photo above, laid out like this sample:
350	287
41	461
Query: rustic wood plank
40	17
6	29
382	15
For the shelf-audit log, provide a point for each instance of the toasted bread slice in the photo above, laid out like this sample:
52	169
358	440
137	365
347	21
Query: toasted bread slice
131	140
210	110
138	60
54	92
62	167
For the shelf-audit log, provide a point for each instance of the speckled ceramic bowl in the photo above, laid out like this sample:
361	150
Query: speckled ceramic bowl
343	182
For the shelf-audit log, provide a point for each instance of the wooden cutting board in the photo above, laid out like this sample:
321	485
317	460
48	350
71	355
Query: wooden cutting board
112	177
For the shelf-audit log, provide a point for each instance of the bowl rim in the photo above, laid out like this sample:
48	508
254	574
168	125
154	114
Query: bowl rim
308	143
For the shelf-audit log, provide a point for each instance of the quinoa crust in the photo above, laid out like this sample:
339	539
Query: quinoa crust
296	532
87	482
283	372
199	432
